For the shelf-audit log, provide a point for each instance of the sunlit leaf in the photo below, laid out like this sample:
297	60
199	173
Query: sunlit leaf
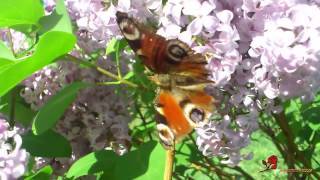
50	46
20	12
5	53
43	174
111	46
115	45
5	63
128	75
147	162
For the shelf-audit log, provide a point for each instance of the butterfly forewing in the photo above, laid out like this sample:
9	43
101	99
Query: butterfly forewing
161	55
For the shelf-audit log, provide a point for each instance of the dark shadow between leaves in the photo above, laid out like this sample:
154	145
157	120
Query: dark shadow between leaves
49	22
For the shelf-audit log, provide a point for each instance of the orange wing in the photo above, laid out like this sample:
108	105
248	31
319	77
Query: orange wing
179	112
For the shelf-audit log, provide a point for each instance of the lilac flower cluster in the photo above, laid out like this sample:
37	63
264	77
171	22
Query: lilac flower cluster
287	49
217	138
41	86
93	24
13	159
96	120
258	51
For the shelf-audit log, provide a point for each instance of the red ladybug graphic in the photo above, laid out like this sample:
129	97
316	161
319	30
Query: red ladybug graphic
270	163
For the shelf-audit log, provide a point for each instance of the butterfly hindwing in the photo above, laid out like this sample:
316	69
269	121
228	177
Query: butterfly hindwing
179	112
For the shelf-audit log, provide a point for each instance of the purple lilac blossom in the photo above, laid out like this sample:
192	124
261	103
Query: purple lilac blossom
97	119
258	51
13	159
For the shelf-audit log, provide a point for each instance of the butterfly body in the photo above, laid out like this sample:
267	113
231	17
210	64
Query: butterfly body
181	75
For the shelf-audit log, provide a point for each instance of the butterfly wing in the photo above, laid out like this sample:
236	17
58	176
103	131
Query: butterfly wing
179	111
181	75
160	55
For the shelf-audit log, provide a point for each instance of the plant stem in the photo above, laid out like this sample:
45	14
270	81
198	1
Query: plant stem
11	43
244	173
170	153
101	70
118	62
268	130
143	119
12	107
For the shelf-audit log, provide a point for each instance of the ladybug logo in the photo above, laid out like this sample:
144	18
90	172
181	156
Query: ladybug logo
270	163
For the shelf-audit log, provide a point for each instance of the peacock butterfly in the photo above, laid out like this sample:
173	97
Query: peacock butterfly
181	75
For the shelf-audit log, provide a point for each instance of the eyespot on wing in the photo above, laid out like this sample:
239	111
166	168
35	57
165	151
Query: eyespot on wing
174	115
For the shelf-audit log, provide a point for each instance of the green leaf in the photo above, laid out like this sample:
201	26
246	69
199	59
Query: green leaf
317	169
2	106
141	131
5	63
116	45
48	144
193	173
58	20
111	47
6	56
147	162
50	46
5	53
51	112
128	75
43	174
187	153
23	113
20	12
292	110
155	167
312	116
305	132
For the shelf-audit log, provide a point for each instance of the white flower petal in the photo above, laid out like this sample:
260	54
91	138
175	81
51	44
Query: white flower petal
192	7
210	23
195	27
225	16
